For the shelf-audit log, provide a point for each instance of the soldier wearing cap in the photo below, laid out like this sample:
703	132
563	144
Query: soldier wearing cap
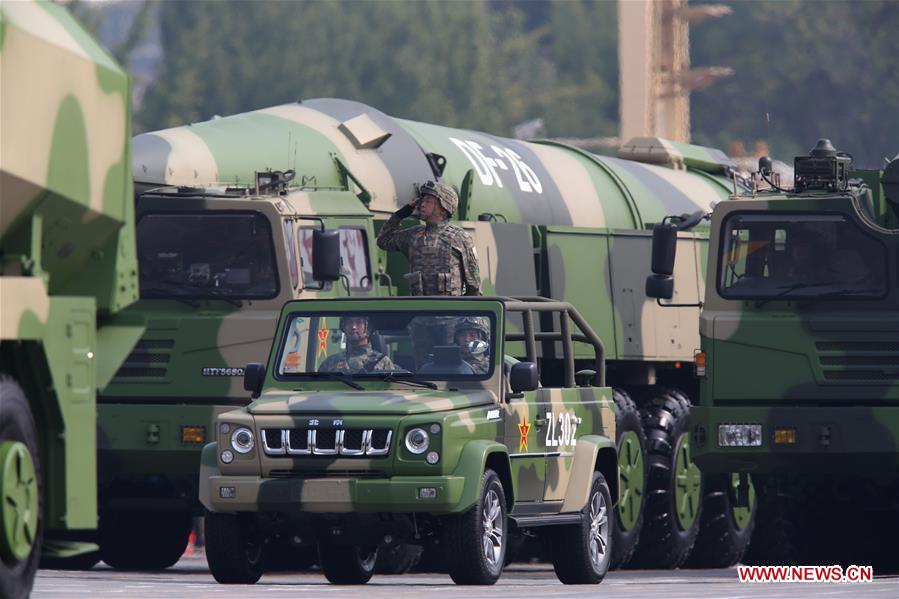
469	331
442	258
359	357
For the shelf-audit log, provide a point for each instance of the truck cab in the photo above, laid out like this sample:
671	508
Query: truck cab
215	267
404	431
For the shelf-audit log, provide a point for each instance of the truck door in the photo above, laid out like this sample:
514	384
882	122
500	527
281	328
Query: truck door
525	439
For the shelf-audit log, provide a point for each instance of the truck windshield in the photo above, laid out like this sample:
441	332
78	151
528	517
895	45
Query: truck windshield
209	255
799	256
403	344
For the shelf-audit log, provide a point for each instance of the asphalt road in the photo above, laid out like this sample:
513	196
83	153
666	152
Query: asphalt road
190	579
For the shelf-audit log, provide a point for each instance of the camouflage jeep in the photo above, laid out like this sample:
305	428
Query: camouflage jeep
371	429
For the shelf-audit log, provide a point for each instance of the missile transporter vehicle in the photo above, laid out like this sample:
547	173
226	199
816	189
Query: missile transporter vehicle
402	438
546	219
67	268
800	362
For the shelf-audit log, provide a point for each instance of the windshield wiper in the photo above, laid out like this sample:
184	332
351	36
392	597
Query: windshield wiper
391	377
337	376
785	289
223	296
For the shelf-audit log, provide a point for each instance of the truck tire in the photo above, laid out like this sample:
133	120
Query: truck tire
631	443
344	564
673	485
233	549
582	553
21	497
776	530
476	541
135	540
724	528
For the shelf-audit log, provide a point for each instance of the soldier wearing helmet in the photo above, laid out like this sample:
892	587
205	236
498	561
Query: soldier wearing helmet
469	331
442	258
359	357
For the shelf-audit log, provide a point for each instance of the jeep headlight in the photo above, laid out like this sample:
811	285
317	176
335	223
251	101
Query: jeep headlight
417	441
242	440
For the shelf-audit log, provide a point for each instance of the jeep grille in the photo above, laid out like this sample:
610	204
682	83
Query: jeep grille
311	441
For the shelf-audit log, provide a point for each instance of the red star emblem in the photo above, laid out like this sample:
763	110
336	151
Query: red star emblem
323	340
524	428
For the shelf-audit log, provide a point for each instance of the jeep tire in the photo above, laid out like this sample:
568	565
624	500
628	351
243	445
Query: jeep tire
476	541
345	564
581	553
234	548
136	540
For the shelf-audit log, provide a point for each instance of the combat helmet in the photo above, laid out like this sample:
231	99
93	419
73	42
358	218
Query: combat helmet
476	323
445	194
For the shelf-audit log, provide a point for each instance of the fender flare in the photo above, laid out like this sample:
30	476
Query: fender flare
591	453
209	467
472	463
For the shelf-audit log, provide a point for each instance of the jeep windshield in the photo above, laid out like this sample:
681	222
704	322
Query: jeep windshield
803	256
412	346
224	255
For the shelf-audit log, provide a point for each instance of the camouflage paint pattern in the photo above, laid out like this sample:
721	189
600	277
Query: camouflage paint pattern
66	238
825	368
548	439
567	206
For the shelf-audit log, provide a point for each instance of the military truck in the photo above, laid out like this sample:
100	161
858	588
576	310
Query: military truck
415	446
548	220
67	268
799	362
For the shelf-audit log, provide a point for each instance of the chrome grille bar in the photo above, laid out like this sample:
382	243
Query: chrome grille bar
374	442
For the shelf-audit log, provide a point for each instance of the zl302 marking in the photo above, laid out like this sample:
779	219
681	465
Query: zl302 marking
561	429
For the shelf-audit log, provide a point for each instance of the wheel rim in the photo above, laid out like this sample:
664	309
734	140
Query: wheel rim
18	501
687	485
742	515
492	536
367	560
630	476
599	529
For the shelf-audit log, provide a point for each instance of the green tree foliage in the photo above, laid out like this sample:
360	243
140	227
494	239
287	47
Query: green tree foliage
803	70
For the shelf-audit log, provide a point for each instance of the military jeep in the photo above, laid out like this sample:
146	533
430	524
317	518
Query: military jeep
412	444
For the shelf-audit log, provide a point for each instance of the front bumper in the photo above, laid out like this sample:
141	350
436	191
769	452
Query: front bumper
399	494
860	439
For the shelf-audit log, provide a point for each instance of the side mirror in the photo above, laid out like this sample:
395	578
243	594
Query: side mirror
325	255
660	284
523	377
253	377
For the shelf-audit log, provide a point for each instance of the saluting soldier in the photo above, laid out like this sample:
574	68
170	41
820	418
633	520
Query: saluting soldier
442	258
359	357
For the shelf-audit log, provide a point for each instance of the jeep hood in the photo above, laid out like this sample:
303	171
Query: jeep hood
394	402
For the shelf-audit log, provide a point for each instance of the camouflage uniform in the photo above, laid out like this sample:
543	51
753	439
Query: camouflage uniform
442	258
357	359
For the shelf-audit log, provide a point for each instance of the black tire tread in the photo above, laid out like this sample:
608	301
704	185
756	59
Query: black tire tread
462	533
624	543
719	543
17	423
341	564
570	559
664	413
226	551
